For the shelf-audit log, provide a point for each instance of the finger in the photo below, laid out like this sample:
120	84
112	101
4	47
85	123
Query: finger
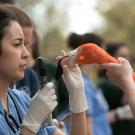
52	92
65	69
54	104
108	65
61	124
62	53
54	97
55	121
58	58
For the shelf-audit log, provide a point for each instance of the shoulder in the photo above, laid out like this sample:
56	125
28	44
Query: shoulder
20	96
30	71
21	101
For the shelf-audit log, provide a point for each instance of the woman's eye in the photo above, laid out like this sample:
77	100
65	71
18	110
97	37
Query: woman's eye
17	44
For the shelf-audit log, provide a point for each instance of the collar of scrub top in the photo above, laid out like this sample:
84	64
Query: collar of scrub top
12	123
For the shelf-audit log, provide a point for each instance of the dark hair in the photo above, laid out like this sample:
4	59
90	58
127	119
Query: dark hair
113	47
23	19
94	38
75	40
7	1
6	16
35	46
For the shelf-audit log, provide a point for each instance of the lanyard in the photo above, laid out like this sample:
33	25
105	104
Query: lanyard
16	107
12	123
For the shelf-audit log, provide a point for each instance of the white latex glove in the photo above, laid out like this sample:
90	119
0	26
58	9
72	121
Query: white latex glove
74	82
124	113
42	104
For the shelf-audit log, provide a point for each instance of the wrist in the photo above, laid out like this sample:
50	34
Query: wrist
31	127
128	85
78	101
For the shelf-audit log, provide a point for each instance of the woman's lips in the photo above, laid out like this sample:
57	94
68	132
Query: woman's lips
23	67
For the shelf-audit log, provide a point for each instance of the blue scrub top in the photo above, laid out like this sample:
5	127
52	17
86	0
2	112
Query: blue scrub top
98	108
18	103
30	83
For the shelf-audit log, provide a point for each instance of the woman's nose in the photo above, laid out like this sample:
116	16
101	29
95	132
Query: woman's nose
25	53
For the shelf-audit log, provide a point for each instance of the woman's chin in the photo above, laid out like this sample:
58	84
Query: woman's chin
20	76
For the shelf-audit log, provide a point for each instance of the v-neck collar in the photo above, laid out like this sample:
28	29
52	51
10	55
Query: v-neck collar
12	109
2	106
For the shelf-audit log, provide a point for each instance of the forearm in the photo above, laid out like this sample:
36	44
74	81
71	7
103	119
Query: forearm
89	125
78	124
129	90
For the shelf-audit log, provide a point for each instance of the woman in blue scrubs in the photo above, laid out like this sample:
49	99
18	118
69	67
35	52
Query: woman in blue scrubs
18	113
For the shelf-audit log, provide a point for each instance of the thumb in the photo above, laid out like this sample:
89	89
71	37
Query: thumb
108	65
58	58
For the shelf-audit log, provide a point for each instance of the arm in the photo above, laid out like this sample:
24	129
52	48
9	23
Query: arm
122	75
89	125
77	100
76	129
129	89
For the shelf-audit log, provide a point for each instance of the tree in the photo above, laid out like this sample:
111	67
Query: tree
55	26
119	21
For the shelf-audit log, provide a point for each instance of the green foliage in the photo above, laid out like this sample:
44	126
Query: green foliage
53	42
25	3
120	22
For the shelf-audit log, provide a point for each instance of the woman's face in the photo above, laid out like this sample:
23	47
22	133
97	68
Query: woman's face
13	59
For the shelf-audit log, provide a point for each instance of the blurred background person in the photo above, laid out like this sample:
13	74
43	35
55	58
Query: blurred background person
97	120
7	1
